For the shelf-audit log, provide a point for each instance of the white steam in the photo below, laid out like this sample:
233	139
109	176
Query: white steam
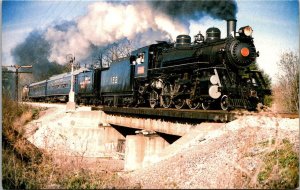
205	23
106	23
64	43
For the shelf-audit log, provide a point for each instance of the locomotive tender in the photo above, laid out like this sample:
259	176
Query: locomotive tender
209	72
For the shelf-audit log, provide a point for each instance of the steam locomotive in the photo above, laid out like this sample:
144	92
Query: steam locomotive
209	73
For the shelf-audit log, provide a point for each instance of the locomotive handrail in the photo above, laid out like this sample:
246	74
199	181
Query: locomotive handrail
177	65
200	69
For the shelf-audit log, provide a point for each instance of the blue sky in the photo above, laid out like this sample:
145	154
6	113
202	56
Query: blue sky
39	13
275	24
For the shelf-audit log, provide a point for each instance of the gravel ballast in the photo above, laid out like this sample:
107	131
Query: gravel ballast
221	160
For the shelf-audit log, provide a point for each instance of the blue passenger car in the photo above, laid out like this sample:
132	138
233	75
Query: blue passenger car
58	87
38	90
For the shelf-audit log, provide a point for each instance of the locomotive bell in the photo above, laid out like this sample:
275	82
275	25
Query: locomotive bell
213	34
183	40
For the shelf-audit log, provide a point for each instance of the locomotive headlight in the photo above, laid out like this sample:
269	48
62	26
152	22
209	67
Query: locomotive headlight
245	31
248	31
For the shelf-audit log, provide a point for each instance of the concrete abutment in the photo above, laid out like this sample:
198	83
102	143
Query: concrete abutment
142	150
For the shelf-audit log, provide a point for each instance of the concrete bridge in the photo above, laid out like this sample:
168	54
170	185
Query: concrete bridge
140	141
155	139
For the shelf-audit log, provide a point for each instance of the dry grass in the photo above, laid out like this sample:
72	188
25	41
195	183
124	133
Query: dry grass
18	154
269	164
280	168
27	167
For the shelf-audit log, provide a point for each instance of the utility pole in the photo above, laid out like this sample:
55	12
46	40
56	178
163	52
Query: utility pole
71	103
17	67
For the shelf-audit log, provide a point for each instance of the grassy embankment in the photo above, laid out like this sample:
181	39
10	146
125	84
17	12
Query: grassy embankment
26	167
275	161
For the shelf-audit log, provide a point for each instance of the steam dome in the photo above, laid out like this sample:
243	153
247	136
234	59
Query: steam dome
213	34
183	40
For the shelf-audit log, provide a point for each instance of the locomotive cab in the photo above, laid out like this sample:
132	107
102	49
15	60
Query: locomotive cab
140	58
147	59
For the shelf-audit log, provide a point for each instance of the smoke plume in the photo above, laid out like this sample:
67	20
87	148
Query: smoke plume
141	22
195	9
107	23
35	51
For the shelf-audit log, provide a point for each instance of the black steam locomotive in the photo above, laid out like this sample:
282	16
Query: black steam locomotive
209	72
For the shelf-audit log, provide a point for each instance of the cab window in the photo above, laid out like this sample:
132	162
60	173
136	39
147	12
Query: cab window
140	58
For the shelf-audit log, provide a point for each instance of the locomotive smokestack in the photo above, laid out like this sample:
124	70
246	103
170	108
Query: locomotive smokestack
231	27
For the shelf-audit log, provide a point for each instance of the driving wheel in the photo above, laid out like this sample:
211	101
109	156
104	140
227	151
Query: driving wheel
205	105
166	96
153	99
179	103
224	102
192	104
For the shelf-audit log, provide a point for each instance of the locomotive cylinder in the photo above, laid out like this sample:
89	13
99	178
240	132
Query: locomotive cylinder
231	27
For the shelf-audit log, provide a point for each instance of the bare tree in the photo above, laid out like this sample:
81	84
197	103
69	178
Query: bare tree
286	91
115	51
67	67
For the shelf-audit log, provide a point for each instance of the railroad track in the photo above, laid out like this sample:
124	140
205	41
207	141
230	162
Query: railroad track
209	115
289	115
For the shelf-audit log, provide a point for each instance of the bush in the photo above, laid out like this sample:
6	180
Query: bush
281	168
268	100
